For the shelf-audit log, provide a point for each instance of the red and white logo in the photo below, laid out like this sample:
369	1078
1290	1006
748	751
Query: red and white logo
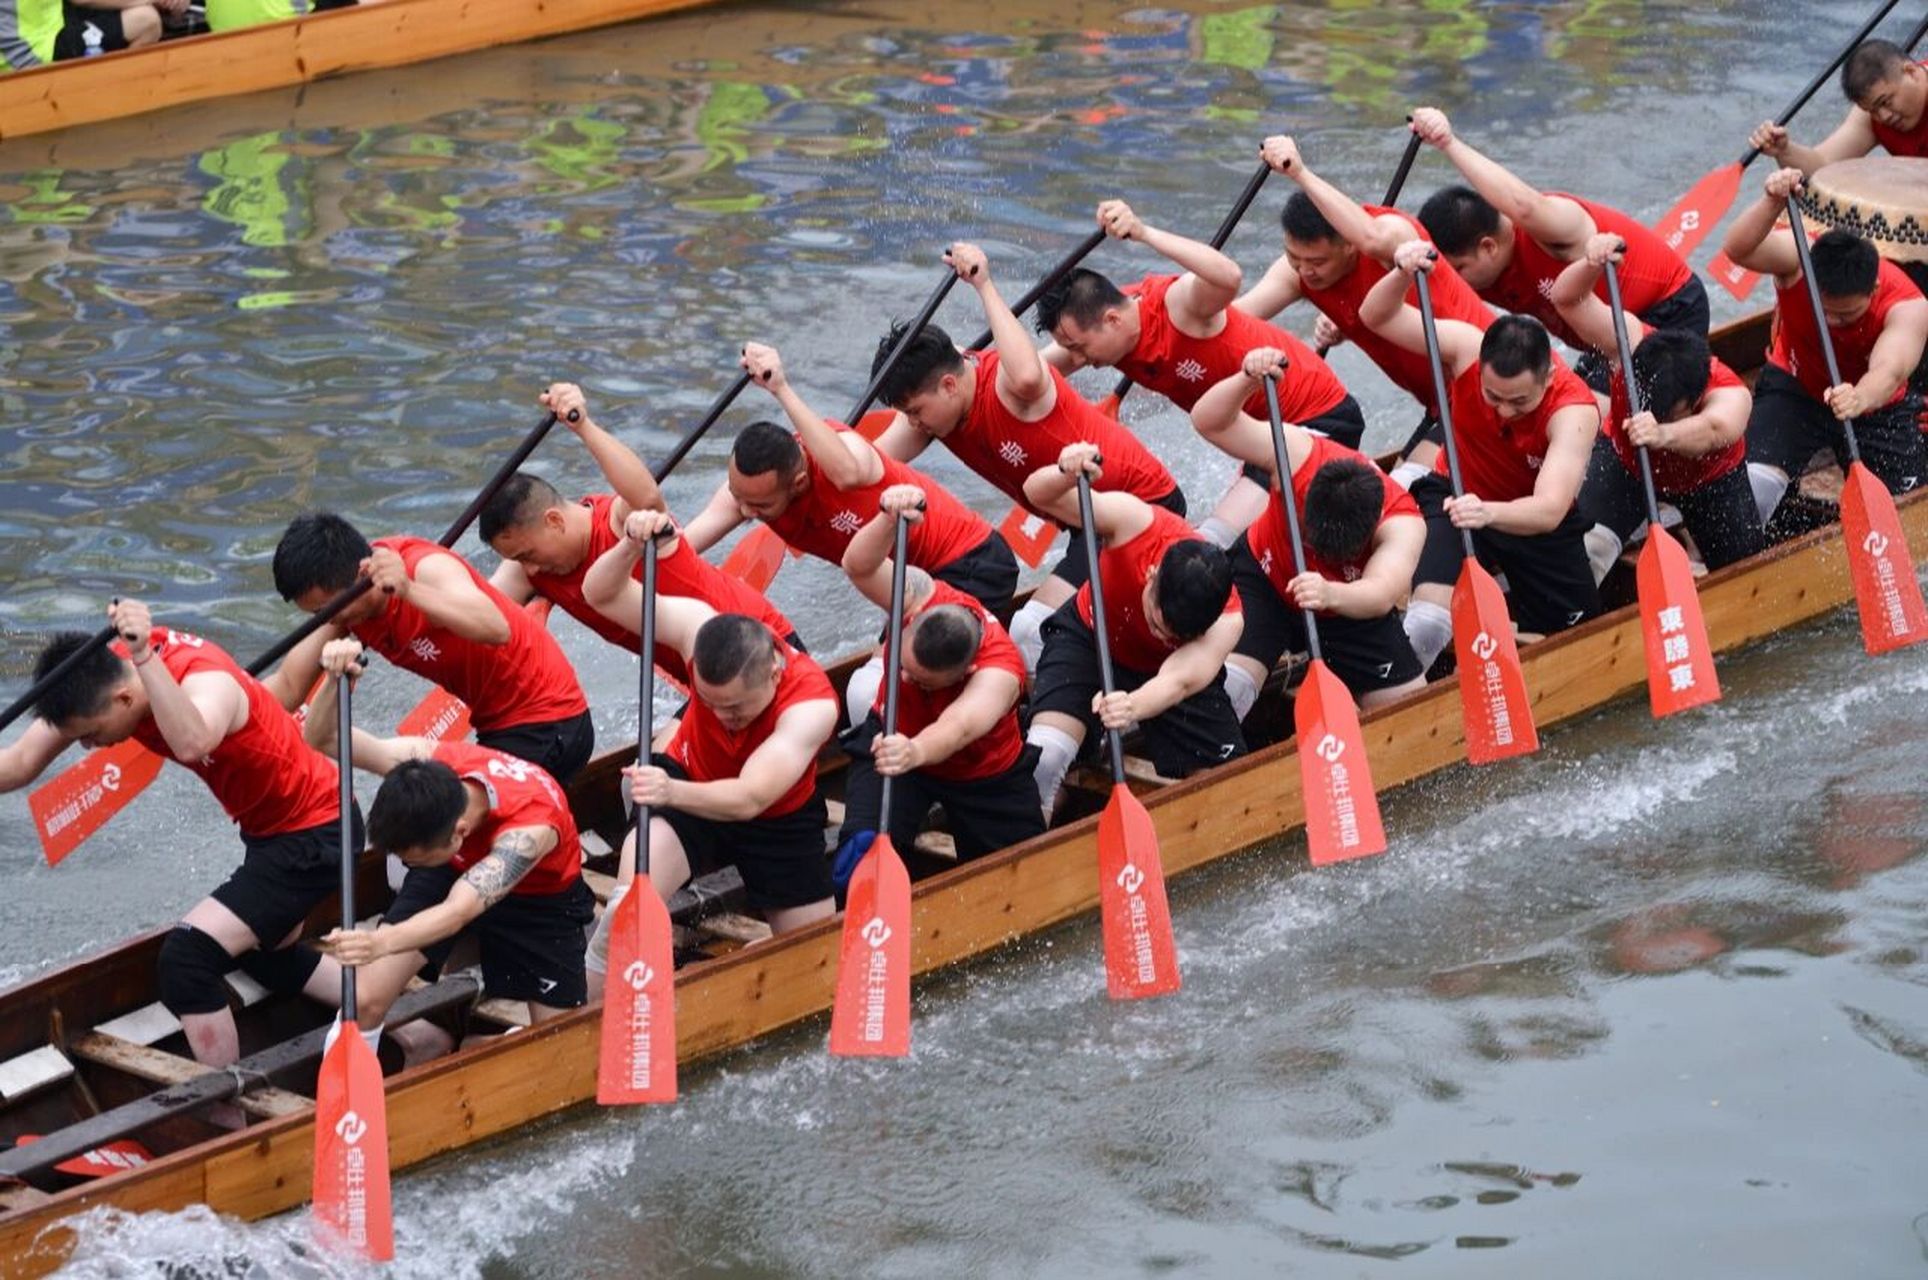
1876	543
1330	749
638	975
1189	370
1484	647
1131	879
1012	452
875	932
425	649
351	1128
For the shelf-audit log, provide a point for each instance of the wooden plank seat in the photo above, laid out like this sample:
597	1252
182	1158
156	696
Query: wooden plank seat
33	1071
145	1062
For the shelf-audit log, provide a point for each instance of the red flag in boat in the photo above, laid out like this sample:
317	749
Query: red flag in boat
352	1208
1680	661
1886	592
871	1016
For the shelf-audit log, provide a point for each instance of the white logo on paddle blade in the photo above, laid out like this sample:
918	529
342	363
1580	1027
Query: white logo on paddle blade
110	777
638	975
876	932
1330	749
1484	647
351	1128
1131	879
1875	544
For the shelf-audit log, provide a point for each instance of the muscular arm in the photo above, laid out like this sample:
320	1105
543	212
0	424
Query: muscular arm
1555	221
512	581
987	698
1853	137
1220	417
714	522
866	561
771	770
847	459
1581	308
1386	312
290	681
1210	282
1389	571
194	716
27	757
1720	422
610	586
515	854
1569	435
1896	352
442	589
627	474
1060	359
1752	242
1276	290
1191	667
1119	515
902	441
1023	381
1376	237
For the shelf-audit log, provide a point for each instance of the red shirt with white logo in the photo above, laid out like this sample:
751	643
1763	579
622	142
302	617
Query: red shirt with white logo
1453	299
918	708
1912	143
1650	272
1500	460
1674	472
267	778
1182	368
823	519
1123	571
1796	348
520	795
708	752
1271	543
524	681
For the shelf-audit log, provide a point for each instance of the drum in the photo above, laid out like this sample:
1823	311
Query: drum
1880	198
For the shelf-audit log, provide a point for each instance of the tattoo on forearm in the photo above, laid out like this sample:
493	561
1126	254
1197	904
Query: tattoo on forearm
493	877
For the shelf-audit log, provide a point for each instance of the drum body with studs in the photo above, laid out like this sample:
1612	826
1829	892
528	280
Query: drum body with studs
1880	198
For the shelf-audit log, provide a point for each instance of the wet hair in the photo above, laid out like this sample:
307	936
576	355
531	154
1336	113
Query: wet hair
1517	344
84	690
1671	366
1303	221
930	355
729	645
1342	509
1845	265
319	549
1083	295
1456	217
1872	62
416	807
763	447
946	637
519	503
1194	582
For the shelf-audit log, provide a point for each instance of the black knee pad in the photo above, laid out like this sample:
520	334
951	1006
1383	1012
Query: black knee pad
191	971
285	971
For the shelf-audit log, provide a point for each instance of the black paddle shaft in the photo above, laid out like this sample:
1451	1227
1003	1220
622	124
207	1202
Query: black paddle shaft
660	472
911	330
1636	398
1914	37
1066	265
1431	325
1289	504
646	710
1820	318
1801	99
350	849
894	649
25	701
1098	628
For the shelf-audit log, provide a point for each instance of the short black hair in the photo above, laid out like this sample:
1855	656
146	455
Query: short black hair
1845	265
1871	62
930	355
1671	366
1342	508
1083	294
946	637
1456	217
82	691
729	645
1303	221
416	807
763	447
1517	344
1194	581
518	503
319	549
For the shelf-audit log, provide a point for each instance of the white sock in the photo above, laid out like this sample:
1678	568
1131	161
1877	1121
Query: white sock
1405	473
595	958
1056	753
1027	632
1769	485
1603	550
1430	629
372	1037
1241	689
860	695
1217	532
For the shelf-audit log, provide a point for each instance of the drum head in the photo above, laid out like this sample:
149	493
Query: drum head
1881	198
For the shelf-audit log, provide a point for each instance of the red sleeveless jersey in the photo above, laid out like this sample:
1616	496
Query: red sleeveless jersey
1499	461
1182	368
1912	143
1453	299
524	681
708	752
264	775
1271	543
520	795
918	708
823	519
1650	272
1796	348
1123	570
1674	472
1005	449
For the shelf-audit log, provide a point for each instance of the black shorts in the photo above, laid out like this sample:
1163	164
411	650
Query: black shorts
783	860
1075	567
284	877
983	815
562	747
1199	732
1367	653
1721	514
532	944
71	40
1428	431
1684	308
987	572
1789	426
1549	579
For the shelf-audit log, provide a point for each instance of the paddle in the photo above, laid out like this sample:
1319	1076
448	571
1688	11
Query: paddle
1886	592
351	1110
1680	661
1492	687
1140	957
637	1061
25	701
1341	807
871	1016
1398	184
1064	267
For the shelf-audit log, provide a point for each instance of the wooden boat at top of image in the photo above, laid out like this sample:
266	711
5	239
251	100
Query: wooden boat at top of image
88	1056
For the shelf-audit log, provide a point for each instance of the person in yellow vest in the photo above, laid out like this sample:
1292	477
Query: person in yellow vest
35	32
226	15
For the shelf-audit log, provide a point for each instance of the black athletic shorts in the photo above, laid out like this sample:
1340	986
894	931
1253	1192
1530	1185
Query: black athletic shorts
1789	426
1344	422
1684	308
532	944
983	815
1199	732
987	572
562	747
1721	514
1075	568
1549	579
71	40
782	860
284	877
1367	653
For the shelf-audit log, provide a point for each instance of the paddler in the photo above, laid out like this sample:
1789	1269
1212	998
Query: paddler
1888	95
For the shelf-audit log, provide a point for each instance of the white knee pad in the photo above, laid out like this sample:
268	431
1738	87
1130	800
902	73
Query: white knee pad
1027	632
371	1036
1405	473
1217	532
1430	629
1057	751
860	695
1603	551
1241	689
595	958
1769	486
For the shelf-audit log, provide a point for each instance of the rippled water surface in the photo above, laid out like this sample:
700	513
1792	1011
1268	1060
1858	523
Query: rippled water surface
1652	999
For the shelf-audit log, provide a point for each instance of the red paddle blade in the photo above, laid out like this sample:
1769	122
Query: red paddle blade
871	1018
439	717
1030	536
1109	406
637	1062
1140	957
1492	688
80	799
1733	277
1341	809
102	1161
1685	225
1886	590
351	1150
756	559
875	423
1680	661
